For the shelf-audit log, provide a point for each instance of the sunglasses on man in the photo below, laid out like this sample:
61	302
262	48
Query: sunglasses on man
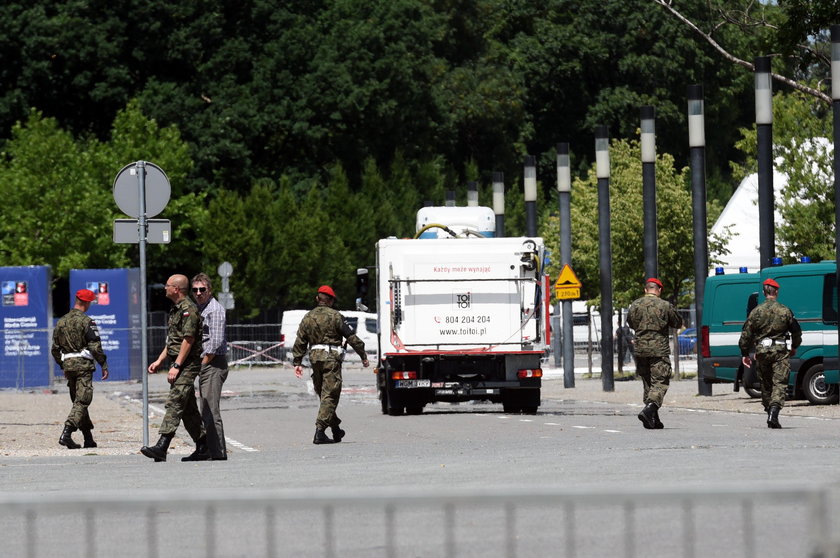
199	289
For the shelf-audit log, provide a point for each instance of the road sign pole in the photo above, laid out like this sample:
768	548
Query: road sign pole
144	342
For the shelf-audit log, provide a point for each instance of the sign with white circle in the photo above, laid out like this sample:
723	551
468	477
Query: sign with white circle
127	190
225	269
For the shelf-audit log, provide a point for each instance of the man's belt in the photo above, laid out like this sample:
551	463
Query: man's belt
81	354
331	348
767	342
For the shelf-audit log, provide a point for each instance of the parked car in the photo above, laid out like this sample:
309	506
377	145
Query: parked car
687	340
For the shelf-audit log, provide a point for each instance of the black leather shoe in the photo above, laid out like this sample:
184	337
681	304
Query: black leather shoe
66	438
321	437
201	453
89	441
646	416
157	451
338	434
773	417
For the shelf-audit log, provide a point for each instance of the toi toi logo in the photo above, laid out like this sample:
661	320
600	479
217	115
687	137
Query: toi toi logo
462	300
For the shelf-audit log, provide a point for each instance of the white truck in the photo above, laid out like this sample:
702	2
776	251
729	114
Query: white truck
461	318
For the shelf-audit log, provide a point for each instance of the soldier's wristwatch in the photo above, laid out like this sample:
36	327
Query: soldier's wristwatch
176	366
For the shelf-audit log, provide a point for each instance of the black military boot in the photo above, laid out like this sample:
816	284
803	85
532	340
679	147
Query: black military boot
773	417
158	451
647	414
321	437
201	453
337	433
657	424
66	438
89	441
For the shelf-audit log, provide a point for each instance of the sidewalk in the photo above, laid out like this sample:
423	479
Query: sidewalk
31	421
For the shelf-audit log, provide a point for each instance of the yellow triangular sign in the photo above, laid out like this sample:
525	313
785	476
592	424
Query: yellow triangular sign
567	279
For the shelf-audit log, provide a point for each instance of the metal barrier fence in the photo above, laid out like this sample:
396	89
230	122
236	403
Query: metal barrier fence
748	522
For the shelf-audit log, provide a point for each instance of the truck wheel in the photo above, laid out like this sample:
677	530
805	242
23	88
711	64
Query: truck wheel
383	400
510	401
815	388
394	405
530	401
414	410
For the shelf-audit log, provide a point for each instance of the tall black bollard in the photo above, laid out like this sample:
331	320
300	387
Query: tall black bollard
835	103
450	198
651	251
530	185
564	189
472	194
764	128
499	202
697	147
602	168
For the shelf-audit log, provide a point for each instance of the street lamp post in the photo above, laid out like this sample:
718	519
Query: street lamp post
530	185
602	168
499	202
764	129
564	190
649	191
697	148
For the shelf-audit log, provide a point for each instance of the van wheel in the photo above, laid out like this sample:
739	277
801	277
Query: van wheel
815	388
750	383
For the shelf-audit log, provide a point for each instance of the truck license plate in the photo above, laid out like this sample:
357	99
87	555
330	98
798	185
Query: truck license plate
414	383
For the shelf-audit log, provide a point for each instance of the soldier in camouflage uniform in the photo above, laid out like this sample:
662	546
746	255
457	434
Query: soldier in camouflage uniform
183	348
322	330
651	318
76	345
767	329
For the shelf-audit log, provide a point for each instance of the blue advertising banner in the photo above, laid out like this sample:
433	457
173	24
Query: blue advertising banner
116	312
26	313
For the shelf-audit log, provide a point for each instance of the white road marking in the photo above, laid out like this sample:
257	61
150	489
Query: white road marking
229	441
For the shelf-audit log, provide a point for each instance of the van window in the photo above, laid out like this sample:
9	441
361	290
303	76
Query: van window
797	292
829	308
370	324
730	303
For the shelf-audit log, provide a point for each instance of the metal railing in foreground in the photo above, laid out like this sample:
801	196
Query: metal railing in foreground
752	521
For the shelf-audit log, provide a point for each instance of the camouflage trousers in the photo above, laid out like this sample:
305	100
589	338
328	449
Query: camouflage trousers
772	368
80	384
326	377
181	405
655	372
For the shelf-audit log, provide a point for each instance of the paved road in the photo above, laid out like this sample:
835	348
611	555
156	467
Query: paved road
573	443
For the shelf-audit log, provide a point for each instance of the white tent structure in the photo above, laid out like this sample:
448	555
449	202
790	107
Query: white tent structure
741	216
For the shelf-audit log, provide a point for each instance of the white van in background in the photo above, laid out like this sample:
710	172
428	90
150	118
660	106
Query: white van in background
364	323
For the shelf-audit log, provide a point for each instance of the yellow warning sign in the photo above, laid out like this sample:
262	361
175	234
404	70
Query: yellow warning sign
567	286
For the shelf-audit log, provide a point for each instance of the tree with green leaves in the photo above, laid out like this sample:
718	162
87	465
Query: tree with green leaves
674	227
802	151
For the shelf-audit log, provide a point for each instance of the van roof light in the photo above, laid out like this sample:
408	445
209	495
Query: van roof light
742	270
805	259
718	271
777	261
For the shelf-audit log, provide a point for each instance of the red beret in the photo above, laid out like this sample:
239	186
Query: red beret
654	280
771	283
85	295
327	290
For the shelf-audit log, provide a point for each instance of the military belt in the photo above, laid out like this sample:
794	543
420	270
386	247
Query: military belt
336	348
81	354
768	342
